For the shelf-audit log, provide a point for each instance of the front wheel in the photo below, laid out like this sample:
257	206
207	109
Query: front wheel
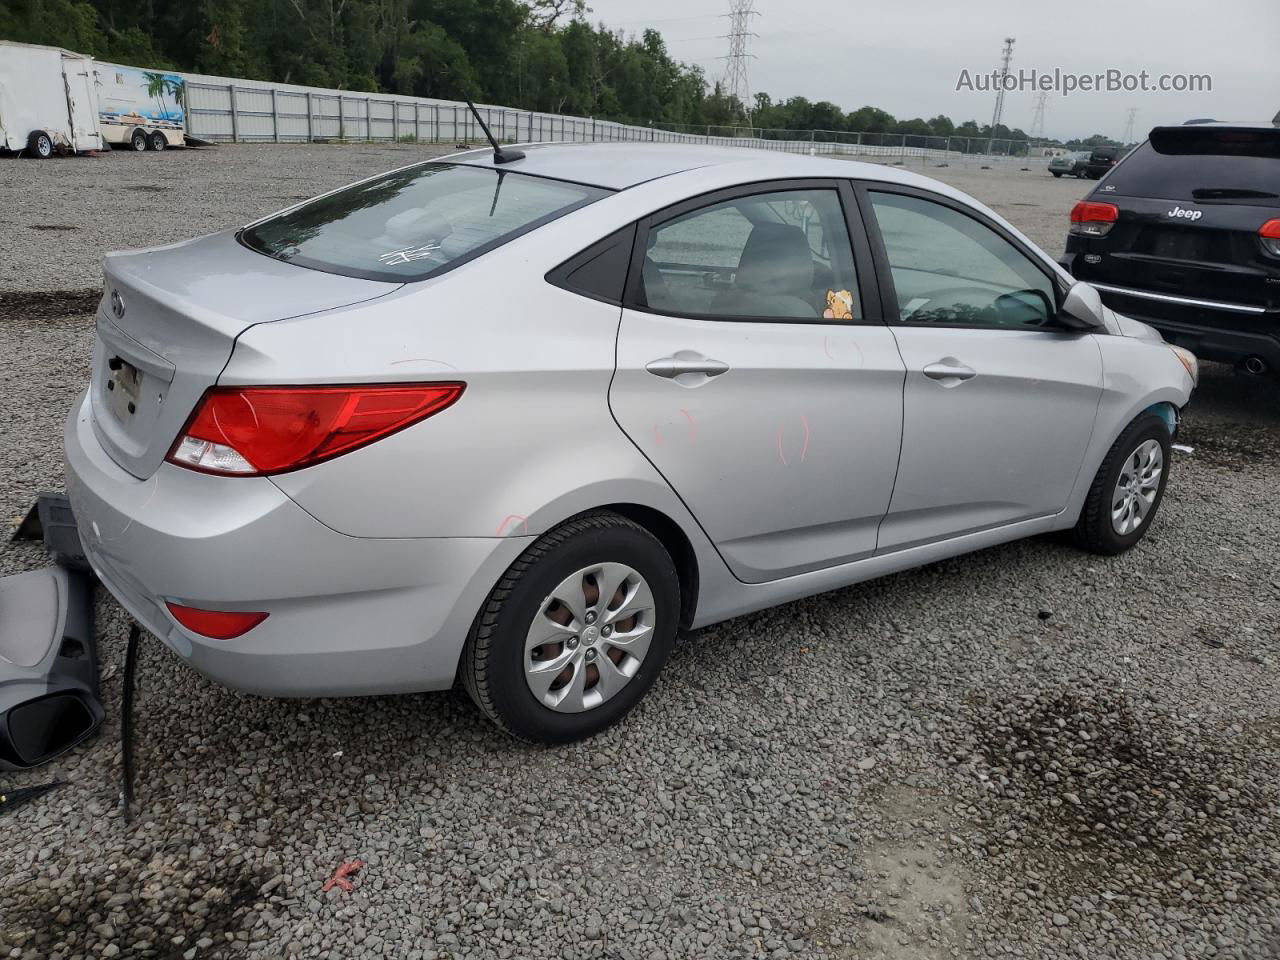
138	141
1127	490
576	631
1056	174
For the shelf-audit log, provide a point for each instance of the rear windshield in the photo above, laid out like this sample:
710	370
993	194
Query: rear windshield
1204	165
413	223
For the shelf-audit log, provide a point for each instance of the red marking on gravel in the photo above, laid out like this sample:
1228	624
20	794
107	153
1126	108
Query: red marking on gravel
339	878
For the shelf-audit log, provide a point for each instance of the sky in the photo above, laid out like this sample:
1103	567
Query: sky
907	56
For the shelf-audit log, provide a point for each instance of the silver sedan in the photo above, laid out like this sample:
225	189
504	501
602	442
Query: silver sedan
520	419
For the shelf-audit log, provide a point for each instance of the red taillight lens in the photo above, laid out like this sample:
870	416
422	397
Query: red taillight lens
1089	219
251	431
1269	233
217	624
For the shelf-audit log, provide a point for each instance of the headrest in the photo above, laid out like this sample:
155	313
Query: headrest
776	259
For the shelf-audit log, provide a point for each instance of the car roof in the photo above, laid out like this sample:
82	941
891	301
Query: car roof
617	166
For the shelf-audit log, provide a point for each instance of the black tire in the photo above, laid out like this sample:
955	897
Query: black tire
40	145
1094	531
1056	174
156	141
492	664
138	141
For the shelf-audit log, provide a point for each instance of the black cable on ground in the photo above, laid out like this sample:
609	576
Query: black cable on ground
9	799
126	720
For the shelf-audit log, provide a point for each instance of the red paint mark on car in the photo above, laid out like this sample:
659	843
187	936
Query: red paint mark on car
522	524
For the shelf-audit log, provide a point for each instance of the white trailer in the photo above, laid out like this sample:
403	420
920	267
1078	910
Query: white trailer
140	109
48	100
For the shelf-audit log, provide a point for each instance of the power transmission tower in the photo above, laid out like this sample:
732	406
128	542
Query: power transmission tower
1037	122
1005	56
1128	127
736	83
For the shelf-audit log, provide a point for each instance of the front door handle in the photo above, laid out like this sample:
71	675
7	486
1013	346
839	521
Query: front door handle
949	371
687	368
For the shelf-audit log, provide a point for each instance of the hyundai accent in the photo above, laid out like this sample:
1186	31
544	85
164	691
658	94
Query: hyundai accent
516	419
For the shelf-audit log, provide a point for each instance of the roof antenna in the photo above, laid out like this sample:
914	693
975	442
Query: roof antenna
499	154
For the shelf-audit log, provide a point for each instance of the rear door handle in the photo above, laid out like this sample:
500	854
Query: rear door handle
949	369
686	362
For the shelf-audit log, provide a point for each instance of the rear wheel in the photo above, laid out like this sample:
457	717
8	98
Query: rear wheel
138	140
156	141
576	632
1127	490
40	145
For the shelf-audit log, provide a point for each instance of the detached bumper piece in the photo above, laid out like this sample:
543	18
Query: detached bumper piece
48	666
50	519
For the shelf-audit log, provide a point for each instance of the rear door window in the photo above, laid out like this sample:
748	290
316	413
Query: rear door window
1204	165
776	255
413	223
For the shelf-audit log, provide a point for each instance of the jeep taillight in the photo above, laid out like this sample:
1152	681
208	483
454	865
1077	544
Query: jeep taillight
252	431
1269	234
1090	219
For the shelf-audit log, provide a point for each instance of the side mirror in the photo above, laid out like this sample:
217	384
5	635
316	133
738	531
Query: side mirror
1082	308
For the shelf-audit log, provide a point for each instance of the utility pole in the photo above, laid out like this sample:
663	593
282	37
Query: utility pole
1005	56
735	69
1128	127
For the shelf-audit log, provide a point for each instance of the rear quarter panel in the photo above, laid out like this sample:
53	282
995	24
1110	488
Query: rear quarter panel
531	441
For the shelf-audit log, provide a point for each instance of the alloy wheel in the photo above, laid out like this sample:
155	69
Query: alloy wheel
1137	487
589	637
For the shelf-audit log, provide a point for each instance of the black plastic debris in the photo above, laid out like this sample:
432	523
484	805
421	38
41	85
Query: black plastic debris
48	666
48	658
50	519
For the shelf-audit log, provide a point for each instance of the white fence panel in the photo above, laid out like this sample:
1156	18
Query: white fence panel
227	109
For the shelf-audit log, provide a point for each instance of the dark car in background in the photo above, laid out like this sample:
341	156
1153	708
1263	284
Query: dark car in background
1184	234
1101	159
1070	164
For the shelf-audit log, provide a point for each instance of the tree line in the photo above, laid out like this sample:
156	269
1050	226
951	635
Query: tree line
540	55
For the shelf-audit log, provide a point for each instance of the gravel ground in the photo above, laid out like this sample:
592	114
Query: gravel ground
1026	752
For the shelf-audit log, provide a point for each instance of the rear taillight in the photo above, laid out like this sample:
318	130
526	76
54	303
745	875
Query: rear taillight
252	431
1089	219
216	624
1269	234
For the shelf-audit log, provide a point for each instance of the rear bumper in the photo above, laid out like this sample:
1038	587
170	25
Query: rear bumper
347	615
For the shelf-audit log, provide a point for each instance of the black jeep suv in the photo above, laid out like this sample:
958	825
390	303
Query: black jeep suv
1184	234
1101	160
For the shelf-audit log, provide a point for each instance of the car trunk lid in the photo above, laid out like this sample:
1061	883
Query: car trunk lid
166	326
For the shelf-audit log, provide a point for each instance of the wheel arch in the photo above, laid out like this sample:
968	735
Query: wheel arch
677	544
1115	413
